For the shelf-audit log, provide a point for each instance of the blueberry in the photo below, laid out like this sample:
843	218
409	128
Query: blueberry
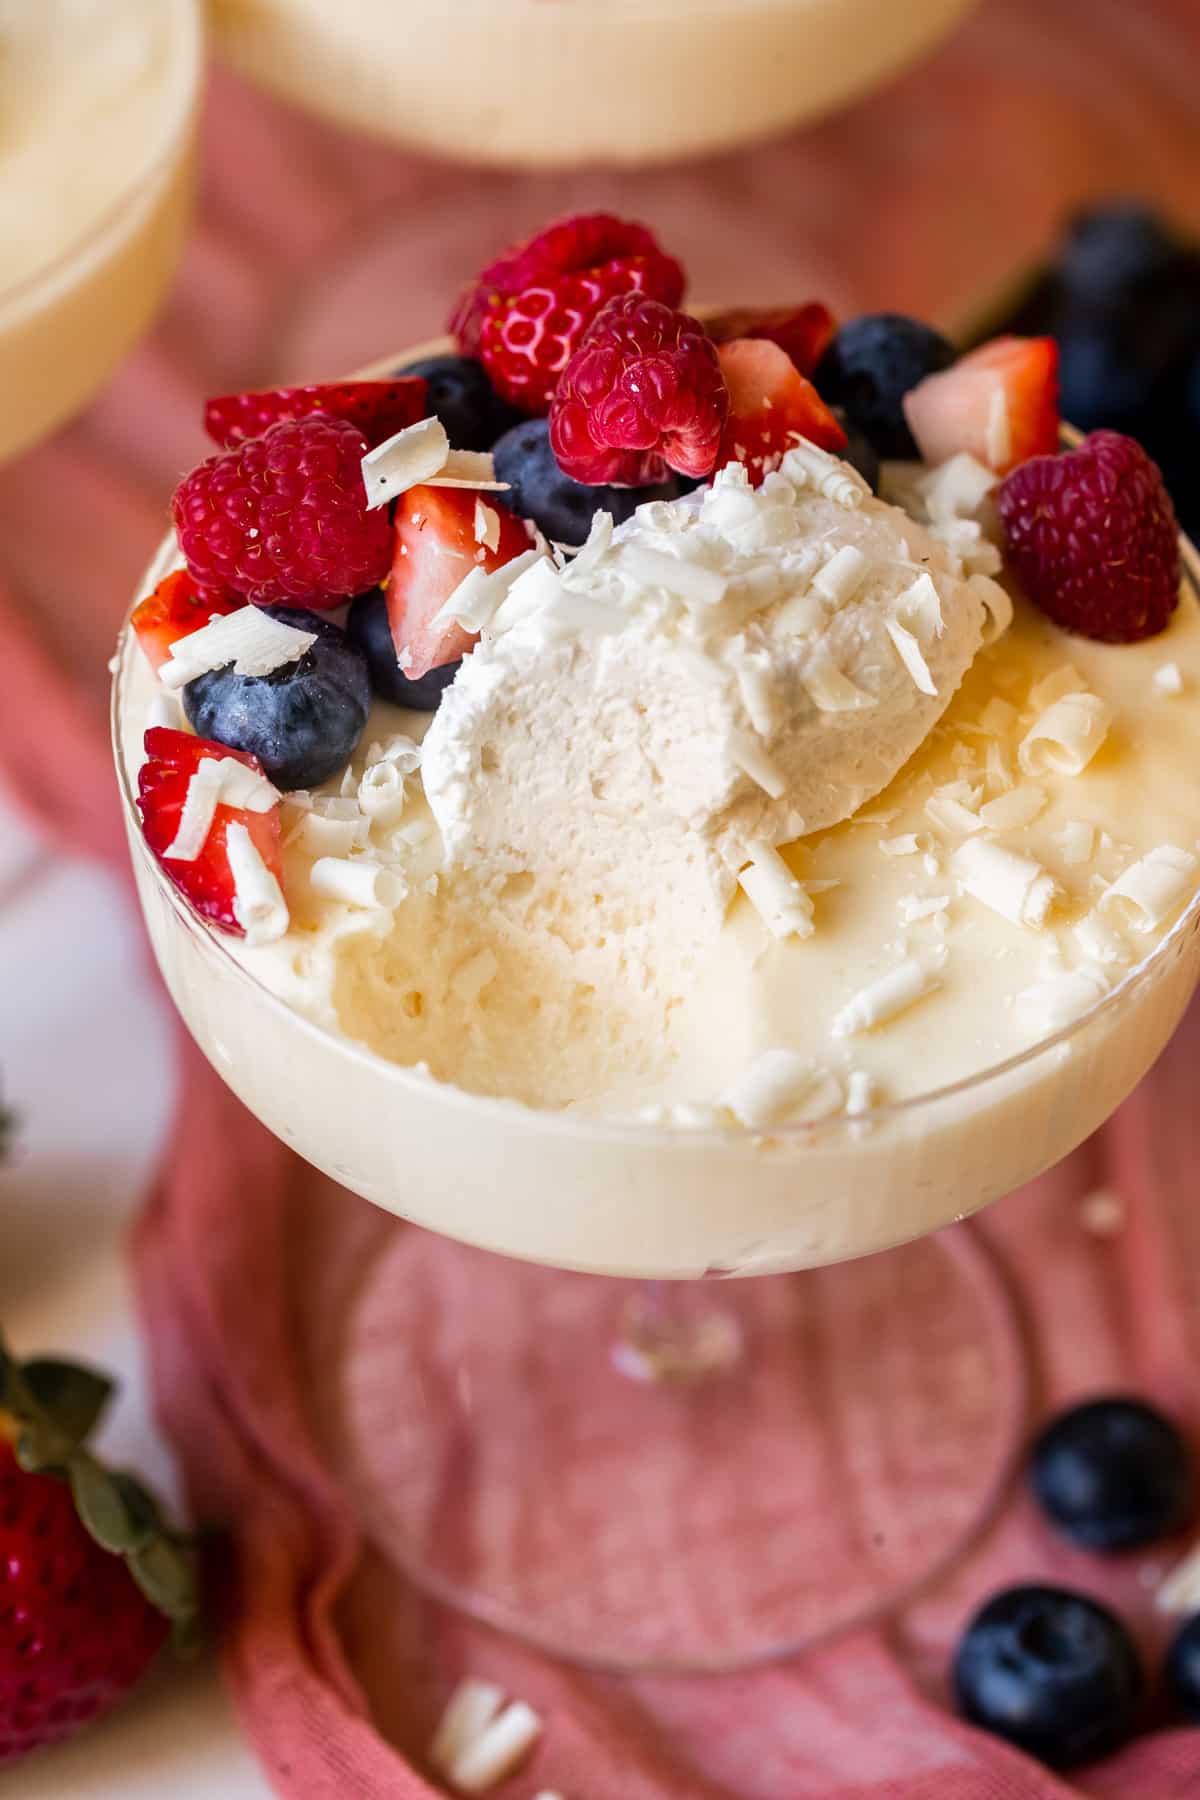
870	366
561	507
1050	1671
860	453
303	720
1183	1668
1111	251
1113	1474
370	632
463	398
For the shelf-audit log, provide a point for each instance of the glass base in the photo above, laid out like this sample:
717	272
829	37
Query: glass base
687	1478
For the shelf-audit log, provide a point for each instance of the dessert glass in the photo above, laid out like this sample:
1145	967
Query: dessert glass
64	328
677	1477
630	81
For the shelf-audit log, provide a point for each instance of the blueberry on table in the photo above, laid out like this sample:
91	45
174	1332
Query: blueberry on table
463	398
1113	1474
871	364
303	721
1183	1669
1052	1672
370	632
559	506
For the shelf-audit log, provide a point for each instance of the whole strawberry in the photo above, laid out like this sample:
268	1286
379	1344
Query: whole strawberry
282	518
644	393
527	313
1092	538
90	1578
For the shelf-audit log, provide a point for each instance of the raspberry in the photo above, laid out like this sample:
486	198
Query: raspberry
283	517
527	313
644	393
1092	538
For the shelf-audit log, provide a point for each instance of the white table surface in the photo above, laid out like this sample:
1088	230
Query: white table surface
84	1062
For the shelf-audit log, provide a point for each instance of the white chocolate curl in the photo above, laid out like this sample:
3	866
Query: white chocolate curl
485	1760
217	781
469	1711
258	903
1151	889
776	895
882	1000
403	461
1065	738
1059	999
355	881
779	1085
1014	886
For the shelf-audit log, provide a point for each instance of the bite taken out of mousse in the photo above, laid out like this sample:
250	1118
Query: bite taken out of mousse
716	721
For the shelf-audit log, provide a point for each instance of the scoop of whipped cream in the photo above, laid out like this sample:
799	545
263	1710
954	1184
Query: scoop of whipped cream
729	671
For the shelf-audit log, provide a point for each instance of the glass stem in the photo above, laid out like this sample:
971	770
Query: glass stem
672	1331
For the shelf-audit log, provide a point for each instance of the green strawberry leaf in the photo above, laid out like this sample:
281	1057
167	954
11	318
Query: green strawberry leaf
166	1574
72	1397
102	1505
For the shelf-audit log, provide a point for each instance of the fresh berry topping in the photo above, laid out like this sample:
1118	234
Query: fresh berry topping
1113	1474
1183	1669
370	631
461	396
1112	253
173	611
528	312
805	332
1051	1671
172	758
437	543
871	364
771	406
859	452
558	506
283	517
643	394
1092	538
999	404
303	721
378	408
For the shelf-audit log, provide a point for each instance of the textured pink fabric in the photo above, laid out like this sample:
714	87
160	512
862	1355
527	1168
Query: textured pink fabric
313	253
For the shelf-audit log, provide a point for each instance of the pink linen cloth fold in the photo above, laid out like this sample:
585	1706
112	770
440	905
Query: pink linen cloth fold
334	252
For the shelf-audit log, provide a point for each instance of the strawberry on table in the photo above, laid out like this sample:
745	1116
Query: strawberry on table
436	543
804	332
206	879
173	611
771	405
378	408
999	404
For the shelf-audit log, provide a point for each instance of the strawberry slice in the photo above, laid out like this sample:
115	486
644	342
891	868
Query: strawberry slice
435	546
771	405
172	758
173	611
999	403
805	332
378	408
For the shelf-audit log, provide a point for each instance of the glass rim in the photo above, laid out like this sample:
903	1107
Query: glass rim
615	1126
159	163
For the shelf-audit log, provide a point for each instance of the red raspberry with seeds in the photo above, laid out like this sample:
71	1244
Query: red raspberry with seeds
644	393
1093	539
527	313
282	518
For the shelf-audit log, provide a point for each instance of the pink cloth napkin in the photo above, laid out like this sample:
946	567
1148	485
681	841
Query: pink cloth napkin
336	251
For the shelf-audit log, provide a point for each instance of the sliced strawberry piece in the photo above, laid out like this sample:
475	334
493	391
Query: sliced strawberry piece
771	405
378	408
805	332
173	611
435	546
172	758
999	403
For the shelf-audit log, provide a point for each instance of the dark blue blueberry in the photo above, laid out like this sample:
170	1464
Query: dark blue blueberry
302	721
860	453
1183	1668
463	398
869	367
1110	252
1113	1474
1050	1671
561	507
370	632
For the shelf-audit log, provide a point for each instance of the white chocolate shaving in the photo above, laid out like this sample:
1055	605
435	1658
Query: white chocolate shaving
757	692
1064	738
885	998
1077	841
404	461
1012	885
1099	942
318	836
249	639
809	466
1060	998
781	1085
998	768
860	1092
909	652
949	809
218	781
487	526
690	582
468	469
914	907
258	903
164	713
1168	679
1180	1592
468	1712
842	576
481	592
381	792
828	688
1064	680
1151	890
957	488
921	603
752	759
487	1759
781	901
356	881
1009	812
907	844
996	602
